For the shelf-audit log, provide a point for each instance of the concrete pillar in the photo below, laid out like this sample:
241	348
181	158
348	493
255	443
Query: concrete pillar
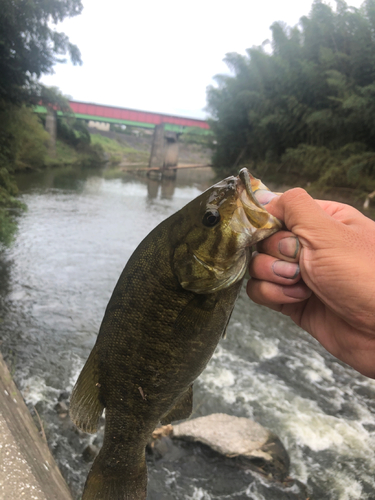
171	150
164	151
157	149
51	127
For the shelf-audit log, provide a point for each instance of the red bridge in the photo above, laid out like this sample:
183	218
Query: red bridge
124	116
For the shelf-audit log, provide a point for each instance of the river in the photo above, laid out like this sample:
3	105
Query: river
56	279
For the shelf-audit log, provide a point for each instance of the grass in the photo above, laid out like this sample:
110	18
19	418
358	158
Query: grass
8	228
65	155
110	150
119	153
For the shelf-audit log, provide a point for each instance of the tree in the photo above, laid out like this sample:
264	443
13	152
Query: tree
307	108
30	44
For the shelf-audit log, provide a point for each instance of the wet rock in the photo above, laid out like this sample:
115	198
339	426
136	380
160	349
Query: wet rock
247	442
64	396
41	407
160	443
89	453
98	440
61	407
164	430
78	432
162	447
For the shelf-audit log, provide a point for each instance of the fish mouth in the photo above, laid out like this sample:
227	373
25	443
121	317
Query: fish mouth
251	184
257	216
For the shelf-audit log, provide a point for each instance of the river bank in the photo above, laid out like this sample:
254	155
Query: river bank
117	152
137	149
110	151
27	468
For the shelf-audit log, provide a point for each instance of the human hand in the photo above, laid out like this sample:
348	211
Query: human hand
321	273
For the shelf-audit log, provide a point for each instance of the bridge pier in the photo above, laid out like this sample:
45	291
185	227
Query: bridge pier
51	128
164	152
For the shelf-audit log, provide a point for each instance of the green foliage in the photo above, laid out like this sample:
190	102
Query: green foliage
8	228
73	132
298	107
350	166
306	160
121	129
116	152
112	148
197	135
23	140
53	97
8	205
30	45
81	156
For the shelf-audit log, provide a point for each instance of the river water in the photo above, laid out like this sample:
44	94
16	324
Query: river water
56	279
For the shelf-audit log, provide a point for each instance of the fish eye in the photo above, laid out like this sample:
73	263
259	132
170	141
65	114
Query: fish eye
211	217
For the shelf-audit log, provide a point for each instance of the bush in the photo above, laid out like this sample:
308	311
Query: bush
307	161
23	140
351	166
197	135
73	132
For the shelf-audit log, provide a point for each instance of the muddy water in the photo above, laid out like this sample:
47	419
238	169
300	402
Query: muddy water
56	279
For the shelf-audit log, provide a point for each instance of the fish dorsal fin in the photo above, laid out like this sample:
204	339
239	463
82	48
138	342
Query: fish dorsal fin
85	404
182	409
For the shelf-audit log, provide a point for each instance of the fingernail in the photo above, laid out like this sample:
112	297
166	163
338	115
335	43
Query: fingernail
285	269
297	291
264	196
289	247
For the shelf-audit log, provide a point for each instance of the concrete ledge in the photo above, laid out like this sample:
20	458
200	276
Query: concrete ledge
27	468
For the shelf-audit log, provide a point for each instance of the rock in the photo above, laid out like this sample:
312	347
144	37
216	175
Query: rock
61	407
249	443
89	453
162	446
164	430
98	440
40	407
64	396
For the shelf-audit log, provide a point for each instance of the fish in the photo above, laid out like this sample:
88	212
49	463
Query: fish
168	311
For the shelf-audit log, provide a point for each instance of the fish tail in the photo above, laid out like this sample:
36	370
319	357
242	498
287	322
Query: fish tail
113	480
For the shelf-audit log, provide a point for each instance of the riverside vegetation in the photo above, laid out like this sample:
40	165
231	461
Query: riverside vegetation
29	47
303	112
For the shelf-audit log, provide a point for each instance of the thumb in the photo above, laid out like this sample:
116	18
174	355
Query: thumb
303	216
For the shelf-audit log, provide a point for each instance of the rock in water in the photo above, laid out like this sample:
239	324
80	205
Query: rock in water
241	438
89	453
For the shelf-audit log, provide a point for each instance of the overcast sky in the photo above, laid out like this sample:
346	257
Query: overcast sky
160	55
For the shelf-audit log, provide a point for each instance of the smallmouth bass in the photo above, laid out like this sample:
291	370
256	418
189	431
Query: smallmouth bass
167	313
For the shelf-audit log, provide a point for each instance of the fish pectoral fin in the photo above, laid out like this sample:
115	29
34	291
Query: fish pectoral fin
182	409
86	406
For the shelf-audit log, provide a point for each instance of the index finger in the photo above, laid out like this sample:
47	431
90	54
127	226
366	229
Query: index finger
283	245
